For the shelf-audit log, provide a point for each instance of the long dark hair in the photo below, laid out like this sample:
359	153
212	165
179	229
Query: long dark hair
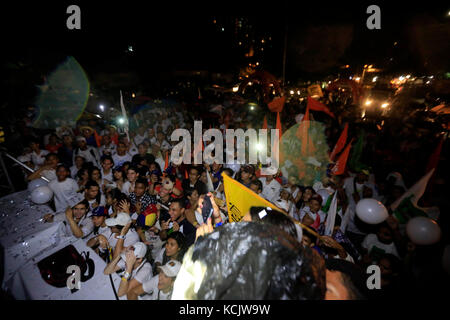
181	241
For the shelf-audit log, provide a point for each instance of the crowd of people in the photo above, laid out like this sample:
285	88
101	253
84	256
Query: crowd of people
141	213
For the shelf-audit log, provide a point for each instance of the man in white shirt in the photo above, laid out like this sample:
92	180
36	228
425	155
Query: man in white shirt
140	136
38	155
106	170
107	147
89	153
136	270
93	196
271	187
64	188
159	287
48	170
354	186
132	176
122	155
76	220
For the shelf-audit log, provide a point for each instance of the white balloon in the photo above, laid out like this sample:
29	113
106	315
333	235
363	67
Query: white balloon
324	193
33	184
371	211
446	259
423	231
41	195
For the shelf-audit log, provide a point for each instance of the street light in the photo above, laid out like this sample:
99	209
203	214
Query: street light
102	107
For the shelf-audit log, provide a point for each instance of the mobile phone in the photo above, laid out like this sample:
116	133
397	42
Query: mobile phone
207	209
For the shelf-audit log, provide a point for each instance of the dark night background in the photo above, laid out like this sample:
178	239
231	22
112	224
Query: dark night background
179	35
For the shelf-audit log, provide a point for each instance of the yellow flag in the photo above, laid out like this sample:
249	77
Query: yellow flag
240	199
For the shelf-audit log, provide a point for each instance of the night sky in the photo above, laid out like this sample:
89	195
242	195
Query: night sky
180	35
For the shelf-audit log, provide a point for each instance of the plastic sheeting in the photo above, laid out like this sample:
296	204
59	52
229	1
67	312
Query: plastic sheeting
250	260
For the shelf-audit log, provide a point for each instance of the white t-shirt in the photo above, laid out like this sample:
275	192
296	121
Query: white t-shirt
90	155
126	187
39	159
102	202
271	190
138	139
108	176
371	241
130	238
73	171
63	191
49	174
86	225
107	149
119	160
142	273
151	289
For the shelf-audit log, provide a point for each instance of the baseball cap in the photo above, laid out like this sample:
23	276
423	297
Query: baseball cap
171	268
99	212
120	220
139	248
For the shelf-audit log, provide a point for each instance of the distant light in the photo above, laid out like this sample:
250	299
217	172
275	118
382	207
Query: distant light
133	95
401	78
357	78
98	116
350	78
102	107
250	83
121	120
257	63
214	21
223	29
262	41
408	76
259	147
298	92
384	105
368	102
240	43
431	77
235	89
252	108
374	79
428	82
291	92
130	48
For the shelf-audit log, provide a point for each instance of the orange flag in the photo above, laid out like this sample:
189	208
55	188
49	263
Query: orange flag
315	105
340	144
277	104
279	123
98	139
302	133
265	123
341	163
